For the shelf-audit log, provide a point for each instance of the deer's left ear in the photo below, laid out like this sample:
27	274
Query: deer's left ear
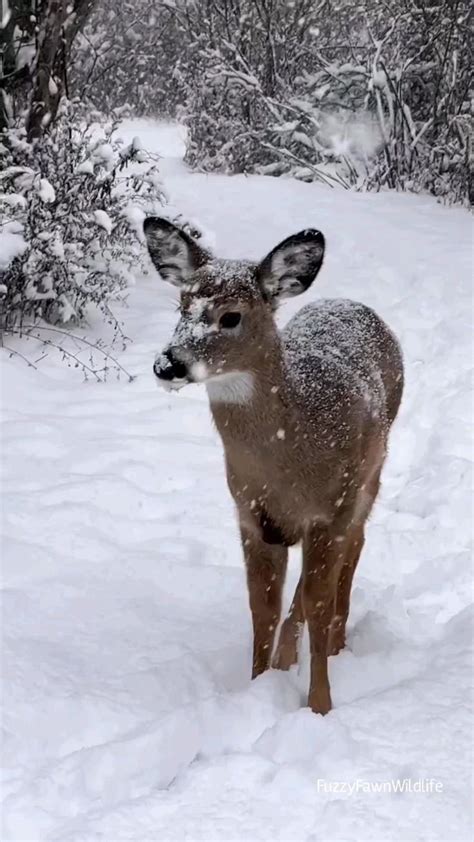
291	267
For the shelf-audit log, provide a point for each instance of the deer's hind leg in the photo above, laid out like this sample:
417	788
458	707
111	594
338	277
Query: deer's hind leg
321	566
266	570
352	545
342	600
286	653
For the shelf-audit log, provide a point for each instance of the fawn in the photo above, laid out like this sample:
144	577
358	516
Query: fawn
304	417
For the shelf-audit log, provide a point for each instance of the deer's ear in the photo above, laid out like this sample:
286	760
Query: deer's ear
174	253
291	267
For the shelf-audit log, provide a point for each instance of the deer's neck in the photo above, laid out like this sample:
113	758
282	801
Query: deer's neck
252	404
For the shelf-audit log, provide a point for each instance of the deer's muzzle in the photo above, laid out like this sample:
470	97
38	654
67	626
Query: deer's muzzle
171	371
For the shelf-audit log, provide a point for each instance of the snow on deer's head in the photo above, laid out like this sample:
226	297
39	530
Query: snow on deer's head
226	326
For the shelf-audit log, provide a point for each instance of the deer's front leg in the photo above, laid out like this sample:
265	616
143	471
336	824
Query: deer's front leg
266	569
321	565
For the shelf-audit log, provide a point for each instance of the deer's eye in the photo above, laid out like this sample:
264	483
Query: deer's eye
229	320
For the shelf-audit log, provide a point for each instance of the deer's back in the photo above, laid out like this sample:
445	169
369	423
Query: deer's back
339	353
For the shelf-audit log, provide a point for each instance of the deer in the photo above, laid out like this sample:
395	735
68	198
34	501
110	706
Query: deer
304	417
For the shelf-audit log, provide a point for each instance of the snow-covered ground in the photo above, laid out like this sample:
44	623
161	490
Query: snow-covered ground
128	713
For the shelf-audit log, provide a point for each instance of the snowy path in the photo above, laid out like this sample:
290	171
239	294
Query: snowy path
128	710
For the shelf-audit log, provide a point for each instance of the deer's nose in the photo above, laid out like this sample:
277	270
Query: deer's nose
168	367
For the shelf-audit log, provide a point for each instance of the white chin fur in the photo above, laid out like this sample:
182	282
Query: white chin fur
232	387
172	385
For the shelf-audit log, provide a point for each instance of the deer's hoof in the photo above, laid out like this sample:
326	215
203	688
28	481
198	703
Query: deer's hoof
320	701
336	644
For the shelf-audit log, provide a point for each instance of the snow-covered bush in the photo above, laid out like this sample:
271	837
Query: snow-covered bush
354	93
77	196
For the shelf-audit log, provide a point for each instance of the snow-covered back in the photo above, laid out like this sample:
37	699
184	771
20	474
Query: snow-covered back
129	713
334	350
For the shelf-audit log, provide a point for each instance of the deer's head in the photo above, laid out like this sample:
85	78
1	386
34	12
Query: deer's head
226	306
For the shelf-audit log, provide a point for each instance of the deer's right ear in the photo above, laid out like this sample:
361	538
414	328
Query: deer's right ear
291	267
174	253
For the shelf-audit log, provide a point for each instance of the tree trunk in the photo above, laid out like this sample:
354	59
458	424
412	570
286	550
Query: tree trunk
46	90
14	77
60	23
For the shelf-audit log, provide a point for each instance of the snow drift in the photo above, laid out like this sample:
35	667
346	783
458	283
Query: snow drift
128	709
